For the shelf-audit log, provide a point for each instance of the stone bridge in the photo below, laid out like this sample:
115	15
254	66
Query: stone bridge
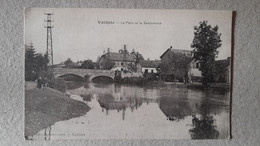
92	73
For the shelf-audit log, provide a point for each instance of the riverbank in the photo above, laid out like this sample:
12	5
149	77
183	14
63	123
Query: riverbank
141	81
44	107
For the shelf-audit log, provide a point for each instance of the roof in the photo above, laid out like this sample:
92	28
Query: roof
150	63
187	52
223	63
119	57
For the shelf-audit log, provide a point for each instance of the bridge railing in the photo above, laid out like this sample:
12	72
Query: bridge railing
82	70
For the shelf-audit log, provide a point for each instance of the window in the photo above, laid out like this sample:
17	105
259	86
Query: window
197	65
152	71
146	70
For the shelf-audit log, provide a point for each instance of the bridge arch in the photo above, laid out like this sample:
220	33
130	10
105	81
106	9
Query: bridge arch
102	78
70	77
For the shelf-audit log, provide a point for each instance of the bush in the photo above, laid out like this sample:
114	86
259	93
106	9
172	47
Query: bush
52	82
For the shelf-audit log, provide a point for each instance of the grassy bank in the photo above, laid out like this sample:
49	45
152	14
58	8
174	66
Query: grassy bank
44	107
220	86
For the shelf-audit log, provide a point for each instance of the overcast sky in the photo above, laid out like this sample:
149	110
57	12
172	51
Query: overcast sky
78	35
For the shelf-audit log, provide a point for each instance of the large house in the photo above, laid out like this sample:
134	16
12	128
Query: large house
116	61
178	73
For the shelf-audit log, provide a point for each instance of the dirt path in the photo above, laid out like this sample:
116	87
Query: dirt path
44	107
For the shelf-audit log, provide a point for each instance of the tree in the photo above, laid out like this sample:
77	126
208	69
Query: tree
35	63
97	63
68	62
205	43
136	56
30	65
204	128
87	64
107	65
41	67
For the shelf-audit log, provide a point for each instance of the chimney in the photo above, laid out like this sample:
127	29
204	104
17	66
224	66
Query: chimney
124	53
104	52
147	58
124	48
170	47
108	55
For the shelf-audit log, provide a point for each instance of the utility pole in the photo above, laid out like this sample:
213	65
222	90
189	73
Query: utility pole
124	58
49	49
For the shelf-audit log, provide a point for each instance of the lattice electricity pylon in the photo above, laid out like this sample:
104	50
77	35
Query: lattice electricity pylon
49	49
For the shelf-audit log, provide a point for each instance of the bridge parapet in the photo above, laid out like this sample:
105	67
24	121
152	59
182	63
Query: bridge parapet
83	72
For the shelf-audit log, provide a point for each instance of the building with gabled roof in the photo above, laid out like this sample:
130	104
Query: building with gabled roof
119	57
148	66
116	61
171	50
171	73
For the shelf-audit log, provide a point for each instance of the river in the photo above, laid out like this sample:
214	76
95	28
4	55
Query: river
151	112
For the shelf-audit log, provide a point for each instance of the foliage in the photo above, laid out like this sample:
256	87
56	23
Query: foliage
203	128
205	43
87	64
30	66
97	63
35	63
137	57
131	67
68	63
86	97
106	64
173	108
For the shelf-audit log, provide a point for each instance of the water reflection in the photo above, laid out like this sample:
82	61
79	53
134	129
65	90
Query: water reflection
47	133
174	109
73	85
86	97
109	102
119	111
204	127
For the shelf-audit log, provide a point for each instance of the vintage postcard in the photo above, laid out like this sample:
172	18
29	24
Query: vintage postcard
127	74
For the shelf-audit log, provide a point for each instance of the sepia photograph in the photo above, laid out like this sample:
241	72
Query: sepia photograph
127	73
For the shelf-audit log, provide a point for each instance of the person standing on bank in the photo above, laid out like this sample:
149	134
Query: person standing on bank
39	82
44	82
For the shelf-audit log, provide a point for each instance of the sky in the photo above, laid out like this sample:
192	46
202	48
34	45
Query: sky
77	33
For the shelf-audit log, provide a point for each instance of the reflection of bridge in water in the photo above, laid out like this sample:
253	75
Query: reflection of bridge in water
83	73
